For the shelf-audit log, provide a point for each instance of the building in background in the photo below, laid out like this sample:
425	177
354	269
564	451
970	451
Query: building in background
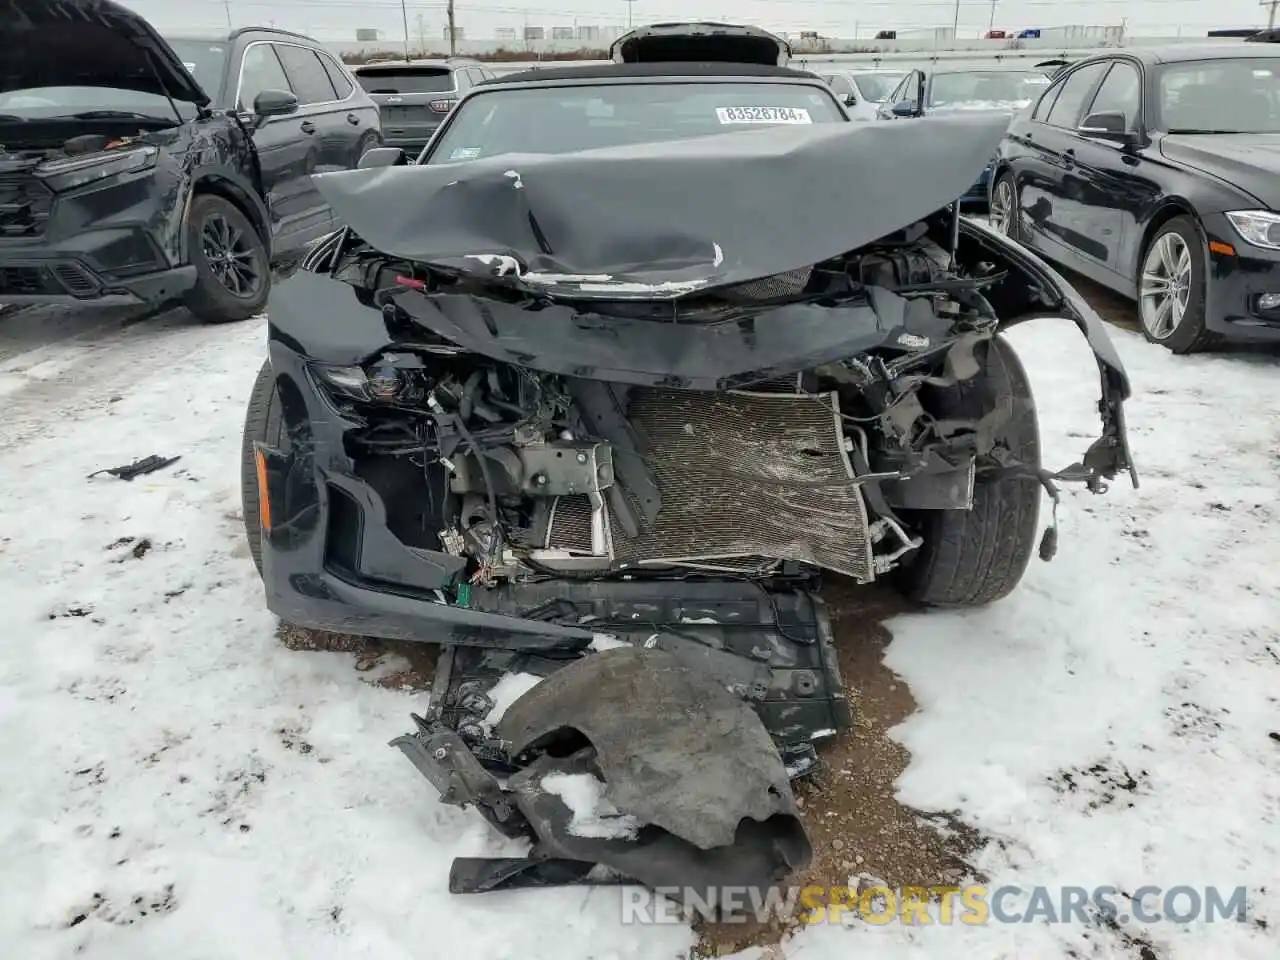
367	35
535	33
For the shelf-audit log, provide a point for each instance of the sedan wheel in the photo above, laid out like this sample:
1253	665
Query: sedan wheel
1165	290
1004	208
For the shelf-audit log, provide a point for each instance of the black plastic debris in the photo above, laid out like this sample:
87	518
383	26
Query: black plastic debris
139	467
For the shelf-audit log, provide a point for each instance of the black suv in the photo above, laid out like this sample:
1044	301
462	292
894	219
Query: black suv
135	169
416	96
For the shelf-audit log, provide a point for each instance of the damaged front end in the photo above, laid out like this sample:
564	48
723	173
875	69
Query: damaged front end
606	459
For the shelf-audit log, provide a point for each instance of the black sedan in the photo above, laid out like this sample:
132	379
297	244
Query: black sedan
966	89
1154	173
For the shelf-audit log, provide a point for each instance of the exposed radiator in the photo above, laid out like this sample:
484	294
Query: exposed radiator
746	478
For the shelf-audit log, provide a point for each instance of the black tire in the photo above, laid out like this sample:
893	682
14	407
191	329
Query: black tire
263	423
212	299
1190	334
1013	230
974	557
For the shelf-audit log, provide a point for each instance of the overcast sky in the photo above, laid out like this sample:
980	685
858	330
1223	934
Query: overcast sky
339	19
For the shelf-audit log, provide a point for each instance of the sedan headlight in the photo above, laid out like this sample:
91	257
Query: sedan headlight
1259	227
77	171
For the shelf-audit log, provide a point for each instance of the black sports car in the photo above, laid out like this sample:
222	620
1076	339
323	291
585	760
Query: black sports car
1154	172
597	391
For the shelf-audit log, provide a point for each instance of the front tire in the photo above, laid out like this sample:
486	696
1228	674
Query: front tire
233	271
974	557
1172	287
263	423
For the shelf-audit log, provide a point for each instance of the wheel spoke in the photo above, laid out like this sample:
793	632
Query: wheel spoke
1168	258
1161	327
1153	283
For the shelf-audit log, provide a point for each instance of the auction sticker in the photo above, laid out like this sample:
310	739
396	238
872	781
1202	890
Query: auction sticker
763	115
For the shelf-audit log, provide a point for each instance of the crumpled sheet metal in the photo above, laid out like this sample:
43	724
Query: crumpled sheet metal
675	748
669	217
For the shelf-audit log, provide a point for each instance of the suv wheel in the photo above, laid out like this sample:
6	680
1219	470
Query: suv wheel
233	272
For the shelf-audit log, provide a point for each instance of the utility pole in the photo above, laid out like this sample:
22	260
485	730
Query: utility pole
404	12
422	35
226	5
991	25
955	23
453	33
1271	12
631	3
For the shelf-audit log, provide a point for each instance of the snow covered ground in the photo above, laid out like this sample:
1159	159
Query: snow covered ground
176	784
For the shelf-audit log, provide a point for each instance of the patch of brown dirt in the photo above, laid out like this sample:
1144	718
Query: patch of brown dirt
370	652
854	822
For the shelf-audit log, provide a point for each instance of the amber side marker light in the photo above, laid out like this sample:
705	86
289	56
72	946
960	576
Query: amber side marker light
1226	249
264	496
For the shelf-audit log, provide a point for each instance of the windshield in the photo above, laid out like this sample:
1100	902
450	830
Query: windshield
406	80
876	87
1220	96
986	90
564	119
204	59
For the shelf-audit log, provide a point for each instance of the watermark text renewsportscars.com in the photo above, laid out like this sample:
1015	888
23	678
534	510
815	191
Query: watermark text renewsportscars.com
971	905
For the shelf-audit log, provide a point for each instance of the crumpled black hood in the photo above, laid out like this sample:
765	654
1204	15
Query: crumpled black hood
88	43
660	220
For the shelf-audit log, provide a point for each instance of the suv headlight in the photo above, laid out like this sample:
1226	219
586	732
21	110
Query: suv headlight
77	171
1259	227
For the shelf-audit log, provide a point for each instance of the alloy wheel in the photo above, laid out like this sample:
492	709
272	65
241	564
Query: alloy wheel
1165	289
1004	208
231	256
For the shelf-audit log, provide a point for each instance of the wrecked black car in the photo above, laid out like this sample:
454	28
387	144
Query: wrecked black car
140	170
595	395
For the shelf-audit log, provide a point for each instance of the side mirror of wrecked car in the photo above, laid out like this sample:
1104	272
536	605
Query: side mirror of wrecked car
274	103
903	108
850	99
382	157
1110	125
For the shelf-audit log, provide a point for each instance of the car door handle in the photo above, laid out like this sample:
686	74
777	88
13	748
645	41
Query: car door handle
308	126
1068	157
353	119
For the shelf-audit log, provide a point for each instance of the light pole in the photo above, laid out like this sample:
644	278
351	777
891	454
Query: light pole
226	5
991	25
955	23
404	12
631	3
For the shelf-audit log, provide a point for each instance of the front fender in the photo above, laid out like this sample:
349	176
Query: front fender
1036	290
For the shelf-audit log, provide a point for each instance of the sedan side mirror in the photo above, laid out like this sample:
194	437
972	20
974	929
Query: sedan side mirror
850	99
1109	125
382	157
903	108
274	103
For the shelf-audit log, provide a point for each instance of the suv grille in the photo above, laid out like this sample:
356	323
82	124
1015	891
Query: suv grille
24	205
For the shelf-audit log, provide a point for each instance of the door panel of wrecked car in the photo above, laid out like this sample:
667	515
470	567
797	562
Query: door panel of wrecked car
552	119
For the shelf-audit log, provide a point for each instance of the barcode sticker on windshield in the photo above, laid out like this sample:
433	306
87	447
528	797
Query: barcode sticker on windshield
763	115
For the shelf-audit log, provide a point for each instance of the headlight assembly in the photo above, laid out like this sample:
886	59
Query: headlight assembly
1258	227
76	171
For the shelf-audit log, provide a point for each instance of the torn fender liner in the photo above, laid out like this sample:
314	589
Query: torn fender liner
674	747
663	219
759	855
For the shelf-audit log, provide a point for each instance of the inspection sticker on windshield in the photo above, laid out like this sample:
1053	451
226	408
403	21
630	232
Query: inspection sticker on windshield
763	115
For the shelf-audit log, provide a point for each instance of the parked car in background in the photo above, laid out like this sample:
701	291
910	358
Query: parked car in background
862	91
970	89
1156	173
139	170
415	96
